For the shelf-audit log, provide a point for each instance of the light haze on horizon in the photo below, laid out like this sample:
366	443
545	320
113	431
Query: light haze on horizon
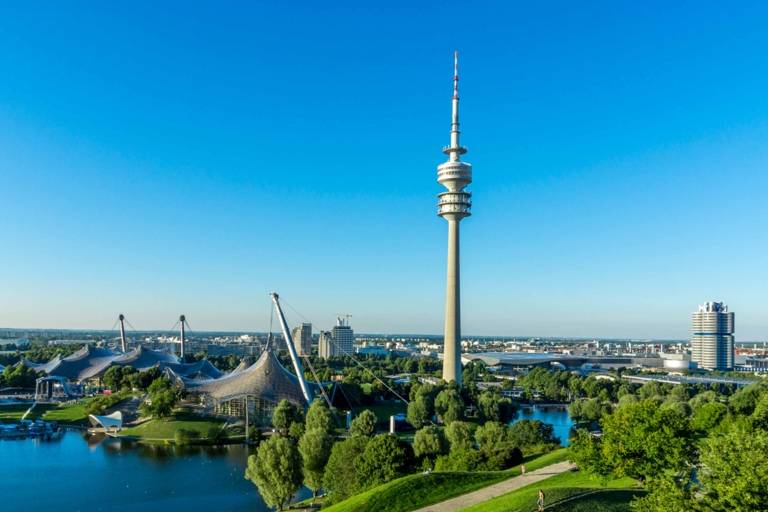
183	158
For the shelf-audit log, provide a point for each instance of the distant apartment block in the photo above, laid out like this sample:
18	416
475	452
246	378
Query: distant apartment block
302	339
712	340
337	342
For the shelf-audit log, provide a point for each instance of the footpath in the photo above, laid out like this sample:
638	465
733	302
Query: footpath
499	489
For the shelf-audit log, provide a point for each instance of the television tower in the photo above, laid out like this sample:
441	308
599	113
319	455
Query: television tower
453	206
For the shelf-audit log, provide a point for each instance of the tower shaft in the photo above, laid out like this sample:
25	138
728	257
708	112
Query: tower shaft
453	205
452	332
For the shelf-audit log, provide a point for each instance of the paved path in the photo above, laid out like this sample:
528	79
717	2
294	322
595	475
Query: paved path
499	489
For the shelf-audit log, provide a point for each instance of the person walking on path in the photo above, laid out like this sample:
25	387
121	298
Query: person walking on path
522	469
540	501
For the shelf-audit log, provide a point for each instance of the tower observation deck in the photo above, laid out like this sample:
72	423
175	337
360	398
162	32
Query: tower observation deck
453	205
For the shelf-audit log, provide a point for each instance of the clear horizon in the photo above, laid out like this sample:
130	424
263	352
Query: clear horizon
184	158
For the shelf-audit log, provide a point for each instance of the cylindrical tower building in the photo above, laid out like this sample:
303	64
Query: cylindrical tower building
453	206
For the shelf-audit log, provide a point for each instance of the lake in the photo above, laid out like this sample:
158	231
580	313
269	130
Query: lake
81	473
556	416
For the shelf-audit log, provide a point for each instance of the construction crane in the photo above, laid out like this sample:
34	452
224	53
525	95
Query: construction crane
291	349
345	316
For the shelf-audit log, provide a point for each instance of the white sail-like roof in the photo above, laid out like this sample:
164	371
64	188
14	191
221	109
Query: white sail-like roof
109	422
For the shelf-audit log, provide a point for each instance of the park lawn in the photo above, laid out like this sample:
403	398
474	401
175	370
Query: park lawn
164	429
419	490
72	414
13	413
382	410
557	488
609	500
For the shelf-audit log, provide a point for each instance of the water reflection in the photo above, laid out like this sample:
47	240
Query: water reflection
98	473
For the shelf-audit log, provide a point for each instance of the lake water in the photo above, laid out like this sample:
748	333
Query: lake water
79	473
556	416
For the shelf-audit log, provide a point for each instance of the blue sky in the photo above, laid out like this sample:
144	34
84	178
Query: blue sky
193	157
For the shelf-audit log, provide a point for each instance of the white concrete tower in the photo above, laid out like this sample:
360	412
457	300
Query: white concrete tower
453	206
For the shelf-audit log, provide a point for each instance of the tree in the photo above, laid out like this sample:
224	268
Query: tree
429	442
419	412
459	435
276	471
163	396
586	451
490	435
319	417
315	448
465	459
736	471
708	416
760	414
284	415
340	477
532	433
385	458
494	407
744	400
364	424
642	440
449	406
665	495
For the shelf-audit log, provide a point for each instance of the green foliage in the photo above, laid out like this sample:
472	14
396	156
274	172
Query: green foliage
586	451
101	403
163	397
708	416
276	471
494	407
364	424
285	414
666	495
642	440
118	377
491	434
459	435
18	376
449	406
315	448
591	409
736	471
184	436
340	476
385	458
319	417
422	405
462	459
429	442
533	433
744	400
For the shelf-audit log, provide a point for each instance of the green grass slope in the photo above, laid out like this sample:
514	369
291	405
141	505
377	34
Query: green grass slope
419	490
557	489
609	500
164	429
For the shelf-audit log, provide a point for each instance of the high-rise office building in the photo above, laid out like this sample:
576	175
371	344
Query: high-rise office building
712	340
302	339
337	342
453	205
343	337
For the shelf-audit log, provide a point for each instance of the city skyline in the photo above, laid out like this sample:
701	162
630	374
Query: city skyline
151	167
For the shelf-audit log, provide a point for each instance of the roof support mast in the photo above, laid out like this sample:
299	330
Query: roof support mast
122	333
291	349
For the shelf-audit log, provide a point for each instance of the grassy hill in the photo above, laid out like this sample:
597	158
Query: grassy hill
563	487
164	429
419	490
